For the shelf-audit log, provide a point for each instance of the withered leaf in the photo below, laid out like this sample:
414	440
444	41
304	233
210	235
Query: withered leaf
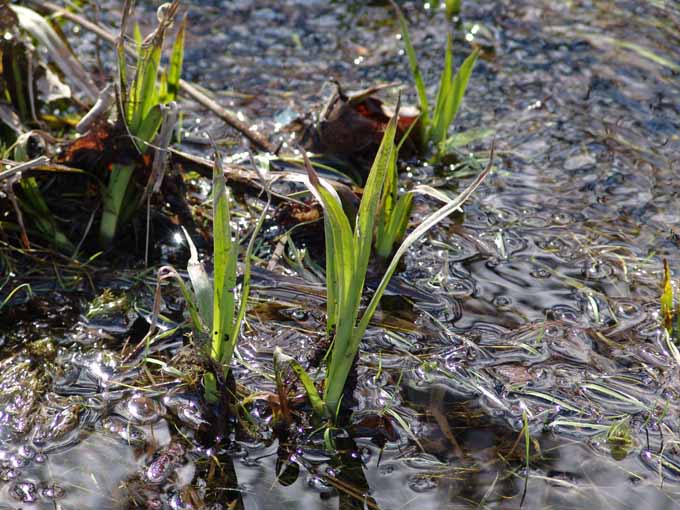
351	127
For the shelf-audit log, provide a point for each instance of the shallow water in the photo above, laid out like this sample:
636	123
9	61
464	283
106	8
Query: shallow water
543	304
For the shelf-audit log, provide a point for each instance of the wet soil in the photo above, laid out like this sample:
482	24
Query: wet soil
540	307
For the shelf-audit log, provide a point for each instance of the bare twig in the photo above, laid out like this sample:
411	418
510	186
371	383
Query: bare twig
20	167
101	106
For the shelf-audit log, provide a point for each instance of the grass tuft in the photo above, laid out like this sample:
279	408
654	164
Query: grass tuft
347	257
436	123
141	110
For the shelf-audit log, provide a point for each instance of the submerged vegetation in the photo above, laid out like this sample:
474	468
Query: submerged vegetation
188	305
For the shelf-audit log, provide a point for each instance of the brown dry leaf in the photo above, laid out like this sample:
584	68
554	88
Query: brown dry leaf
103	145
352	126
294	213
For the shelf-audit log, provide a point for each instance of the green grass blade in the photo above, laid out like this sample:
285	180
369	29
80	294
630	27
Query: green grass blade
280	359
453	8
387	204
144	92
454	97
465	137
396	226
368	209
163	87
149	127
191	300
14	291
224	260
35	205
615	394
415	68
401	216
341	264
460	84
114	197
429	222
394	211
340	261
667	298
137	37
126	113
176	61
438	129
332	282
313	395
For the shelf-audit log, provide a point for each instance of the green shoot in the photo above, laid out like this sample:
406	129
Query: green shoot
347	256
216	299
225	325
667	298
141	113
450	96
670	315
450	93
452	7
394	210
417	77
176	62
33	204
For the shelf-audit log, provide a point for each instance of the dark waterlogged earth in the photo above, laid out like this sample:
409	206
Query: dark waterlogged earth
539	307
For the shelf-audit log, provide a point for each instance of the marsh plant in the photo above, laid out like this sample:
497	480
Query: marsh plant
31	51
30	200
220	311
436	121
142	111
216	307
670	313
348	253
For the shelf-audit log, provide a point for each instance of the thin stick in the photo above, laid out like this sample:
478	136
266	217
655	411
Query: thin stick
189	89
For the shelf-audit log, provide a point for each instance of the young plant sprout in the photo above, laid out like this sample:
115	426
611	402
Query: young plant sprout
670	314
435	125
142	113
220	310
347	257
394	210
